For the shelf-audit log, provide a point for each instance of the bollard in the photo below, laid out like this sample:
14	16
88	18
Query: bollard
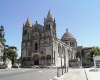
67	68
58	72
62	70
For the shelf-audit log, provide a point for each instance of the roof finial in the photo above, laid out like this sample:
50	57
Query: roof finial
23	24
67	30
44	19
54	20
36	22
49	10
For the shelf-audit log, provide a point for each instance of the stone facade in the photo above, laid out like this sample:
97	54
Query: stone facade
40	45
2	42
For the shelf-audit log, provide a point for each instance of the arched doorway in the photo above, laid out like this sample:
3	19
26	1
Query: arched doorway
28	61
42	60
48	58
23	61
36	59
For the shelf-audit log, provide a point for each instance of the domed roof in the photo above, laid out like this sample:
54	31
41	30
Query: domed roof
67	35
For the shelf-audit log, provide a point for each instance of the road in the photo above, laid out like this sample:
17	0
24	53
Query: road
27	74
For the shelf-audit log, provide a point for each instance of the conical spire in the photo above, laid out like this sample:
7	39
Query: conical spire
28	22
49	16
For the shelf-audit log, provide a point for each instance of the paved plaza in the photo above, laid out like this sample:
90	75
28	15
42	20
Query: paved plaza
48	74
27	74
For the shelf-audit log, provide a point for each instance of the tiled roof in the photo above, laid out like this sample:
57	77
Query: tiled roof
87	47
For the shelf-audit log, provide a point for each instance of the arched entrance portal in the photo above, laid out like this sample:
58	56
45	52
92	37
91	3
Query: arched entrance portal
48	58
42	60
36	59
23	61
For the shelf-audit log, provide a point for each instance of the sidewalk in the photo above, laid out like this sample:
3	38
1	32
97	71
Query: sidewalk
92	74
73	74
80	74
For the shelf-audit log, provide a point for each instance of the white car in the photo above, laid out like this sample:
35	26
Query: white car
53	66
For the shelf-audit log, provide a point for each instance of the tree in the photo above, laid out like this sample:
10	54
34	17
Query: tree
93	51
6	47
11	53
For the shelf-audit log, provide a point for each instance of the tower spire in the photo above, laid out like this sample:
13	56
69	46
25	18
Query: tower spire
28	22
49	16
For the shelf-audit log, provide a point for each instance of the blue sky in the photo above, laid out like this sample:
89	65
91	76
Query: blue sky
81	17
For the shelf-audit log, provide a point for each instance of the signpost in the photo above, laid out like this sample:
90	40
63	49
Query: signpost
94	62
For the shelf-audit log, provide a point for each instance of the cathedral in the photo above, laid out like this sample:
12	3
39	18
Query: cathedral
40	45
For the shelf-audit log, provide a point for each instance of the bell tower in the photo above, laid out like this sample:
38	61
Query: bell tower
50	25
26	41
27	30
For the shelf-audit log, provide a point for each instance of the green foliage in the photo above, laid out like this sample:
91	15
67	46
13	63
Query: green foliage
11	53
93	51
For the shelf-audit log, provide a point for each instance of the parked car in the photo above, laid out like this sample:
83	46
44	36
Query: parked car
86	66
52	66
42	66
14	66
37	66
2	65
62	66
48	66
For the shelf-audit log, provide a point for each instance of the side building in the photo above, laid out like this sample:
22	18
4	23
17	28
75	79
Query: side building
85	61
82	56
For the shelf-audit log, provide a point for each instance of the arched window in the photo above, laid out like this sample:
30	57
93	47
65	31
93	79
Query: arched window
48	57
28	59
36	46
73	44
24	59
49	26
70	43
58	49
42	57
29	54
